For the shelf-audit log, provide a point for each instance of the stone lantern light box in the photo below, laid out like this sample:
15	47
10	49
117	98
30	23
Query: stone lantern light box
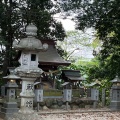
11	85
29	59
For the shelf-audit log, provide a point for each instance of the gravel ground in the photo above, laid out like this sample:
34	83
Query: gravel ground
84	116
80	114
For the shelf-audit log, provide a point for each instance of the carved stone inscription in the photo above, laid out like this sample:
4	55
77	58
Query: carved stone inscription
29	87
39	95
12	93
25	59
67	93
29	103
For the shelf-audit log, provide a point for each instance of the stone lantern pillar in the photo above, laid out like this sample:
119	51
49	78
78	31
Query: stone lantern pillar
28	71
67	93
115	94
38	93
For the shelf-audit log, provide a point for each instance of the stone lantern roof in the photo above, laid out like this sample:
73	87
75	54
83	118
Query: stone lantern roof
116	80
30	42
12	75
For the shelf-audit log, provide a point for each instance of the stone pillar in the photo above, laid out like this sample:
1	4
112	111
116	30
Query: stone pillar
27	95
38	94
67	93
94	96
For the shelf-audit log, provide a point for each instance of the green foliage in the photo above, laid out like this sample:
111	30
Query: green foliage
107	23
96	43
104	16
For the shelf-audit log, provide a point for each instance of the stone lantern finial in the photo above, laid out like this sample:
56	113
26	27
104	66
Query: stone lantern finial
31	30
116	79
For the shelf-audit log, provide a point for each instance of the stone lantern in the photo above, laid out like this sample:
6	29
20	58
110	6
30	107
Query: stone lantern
10	104
28	70
115	94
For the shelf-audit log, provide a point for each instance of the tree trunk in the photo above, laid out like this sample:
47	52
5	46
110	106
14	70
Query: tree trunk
5	65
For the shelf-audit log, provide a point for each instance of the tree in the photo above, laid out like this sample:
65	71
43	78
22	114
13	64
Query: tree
16	14
104	16
74	44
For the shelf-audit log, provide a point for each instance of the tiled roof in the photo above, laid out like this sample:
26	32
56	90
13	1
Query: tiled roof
51	56
72	75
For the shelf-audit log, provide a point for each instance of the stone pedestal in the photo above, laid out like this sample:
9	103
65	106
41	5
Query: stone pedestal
8	109
27	95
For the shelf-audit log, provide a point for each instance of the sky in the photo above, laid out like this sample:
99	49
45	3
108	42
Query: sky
68	24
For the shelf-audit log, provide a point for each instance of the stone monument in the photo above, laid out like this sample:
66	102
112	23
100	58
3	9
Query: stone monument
28	71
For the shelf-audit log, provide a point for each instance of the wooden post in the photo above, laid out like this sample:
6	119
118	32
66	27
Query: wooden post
38	107
95	104
66	105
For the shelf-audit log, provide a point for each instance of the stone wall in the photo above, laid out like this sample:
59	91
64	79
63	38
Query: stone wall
51	103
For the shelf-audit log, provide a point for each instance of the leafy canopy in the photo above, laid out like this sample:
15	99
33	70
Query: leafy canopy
104	17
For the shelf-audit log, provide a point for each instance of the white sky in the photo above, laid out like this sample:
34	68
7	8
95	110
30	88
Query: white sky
68	24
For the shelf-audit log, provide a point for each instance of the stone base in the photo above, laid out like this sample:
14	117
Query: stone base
115	105
8	109
21	116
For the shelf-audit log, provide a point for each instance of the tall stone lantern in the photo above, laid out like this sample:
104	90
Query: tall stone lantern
28	71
